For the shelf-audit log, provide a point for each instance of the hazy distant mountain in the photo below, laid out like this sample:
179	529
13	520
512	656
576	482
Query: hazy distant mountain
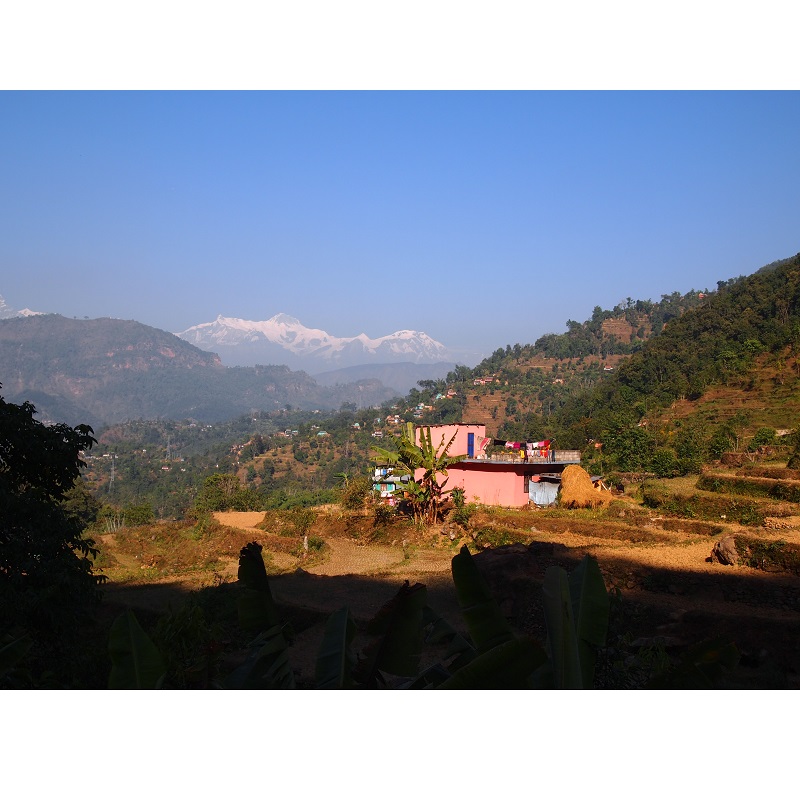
285	340
108	370
403	376
6	312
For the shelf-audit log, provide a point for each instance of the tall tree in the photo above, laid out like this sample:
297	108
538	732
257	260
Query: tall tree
45	560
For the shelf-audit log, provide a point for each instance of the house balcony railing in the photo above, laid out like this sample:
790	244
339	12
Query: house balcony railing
554	457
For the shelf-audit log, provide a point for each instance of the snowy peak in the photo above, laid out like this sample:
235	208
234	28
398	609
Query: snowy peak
285	319
244	341
6	312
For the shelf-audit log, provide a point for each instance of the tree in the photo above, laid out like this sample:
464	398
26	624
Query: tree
45	561
223	492
302	520
217	492
426	494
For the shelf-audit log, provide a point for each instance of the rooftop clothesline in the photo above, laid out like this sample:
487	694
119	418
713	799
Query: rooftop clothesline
528	449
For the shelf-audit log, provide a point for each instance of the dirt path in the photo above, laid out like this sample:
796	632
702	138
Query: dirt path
342	557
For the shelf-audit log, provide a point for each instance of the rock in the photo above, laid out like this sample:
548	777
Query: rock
724	551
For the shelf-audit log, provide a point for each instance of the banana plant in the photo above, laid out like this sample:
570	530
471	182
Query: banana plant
502	659
491	656
136	662
255	605
427	493
576	610
267	666
396	648
336	660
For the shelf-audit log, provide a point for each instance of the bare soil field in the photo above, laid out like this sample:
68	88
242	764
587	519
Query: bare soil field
670	593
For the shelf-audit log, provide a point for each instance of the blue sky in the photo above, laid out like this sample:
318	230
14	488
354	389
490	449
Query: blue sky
481	218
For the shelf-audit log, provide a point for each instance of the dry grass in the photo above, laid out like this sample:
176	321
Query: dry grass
577	490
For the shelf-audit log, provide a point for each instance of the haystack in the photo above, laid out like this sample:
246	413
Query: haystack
578	491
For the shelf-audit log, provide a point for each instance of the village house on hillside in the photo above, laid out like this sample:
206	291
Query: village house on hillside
522	473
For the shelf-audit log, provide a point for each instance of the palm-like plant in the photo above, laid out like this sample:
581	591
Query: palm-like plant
426	494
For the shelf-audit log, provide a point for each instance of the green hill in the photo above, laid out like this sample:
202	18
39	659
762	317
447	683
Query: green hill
106	370
660	387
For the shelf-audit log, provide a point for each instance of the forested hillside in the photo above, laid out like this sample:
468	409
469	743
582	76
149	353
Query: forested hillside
518	386
700	373
282	459
102	371
724	373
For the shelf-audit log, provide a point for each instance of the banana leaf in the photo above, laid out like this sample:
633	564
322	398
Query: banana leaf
576	612
561	636
267	666
591	607
485	621
440	630
703	666
135	660
335	660
397	648
430	678
509	665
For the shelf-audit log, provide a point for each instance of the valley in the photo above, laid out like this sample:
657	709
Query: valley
688	408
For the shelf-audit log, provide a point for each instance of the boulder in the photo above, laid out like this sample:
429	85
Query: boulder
724	552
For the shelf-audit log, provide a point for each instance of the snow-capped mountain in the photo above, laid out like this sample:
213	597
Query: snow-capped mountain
285	340
6	312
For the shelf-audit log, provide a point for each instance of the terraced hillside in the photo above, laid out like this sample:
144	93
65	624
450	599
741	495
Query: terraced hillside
669	594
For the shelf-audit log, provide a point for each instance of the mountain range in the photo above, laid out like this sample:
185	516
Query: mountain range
283	339
101	371
107	370
398	360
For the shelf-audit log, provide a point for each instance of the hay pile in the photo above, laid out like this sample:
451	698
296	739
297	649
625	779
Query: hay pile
577	490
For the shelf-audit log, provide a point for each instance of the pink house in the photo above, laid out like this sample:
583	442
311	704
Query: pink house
504	480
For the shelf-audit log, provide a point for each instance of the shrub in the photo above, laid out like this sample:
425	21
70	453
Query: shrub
495	537
665	463
384	514
192	647
354	493
773	556
763	437
461	515
138	515
222	492
698	507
